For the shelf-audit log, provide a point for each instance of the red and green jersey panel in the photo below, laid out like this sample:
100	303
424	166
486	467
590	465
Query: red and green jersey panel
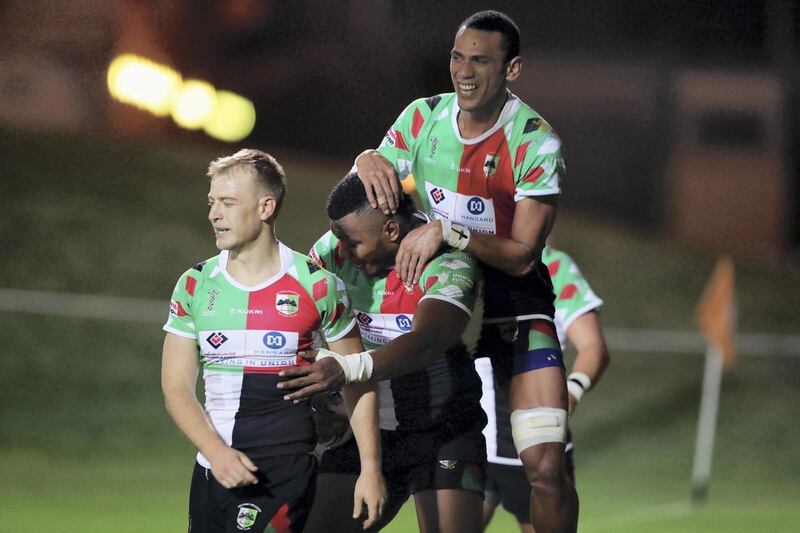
478	182
385	309
246	335
574	296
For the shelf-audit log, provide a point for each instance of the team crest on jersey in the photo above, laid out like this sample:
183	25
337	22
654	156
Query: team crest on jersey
287	303
490	164
247	515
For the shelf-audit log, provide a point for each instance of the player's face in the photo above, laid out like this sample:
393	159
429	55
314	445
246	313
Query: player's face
479	70
363	242
236	210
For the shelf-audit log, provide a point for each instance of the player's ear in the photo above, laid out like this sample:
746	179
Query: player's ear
267	207
513	68
391	230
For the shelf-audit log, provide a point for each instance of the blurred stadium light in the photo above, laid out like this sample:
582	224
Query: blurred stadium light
233	119
193	104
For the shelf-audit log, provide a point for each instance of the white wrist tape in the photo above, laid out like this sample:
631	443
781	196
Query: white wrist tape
357	367
455	235
578	383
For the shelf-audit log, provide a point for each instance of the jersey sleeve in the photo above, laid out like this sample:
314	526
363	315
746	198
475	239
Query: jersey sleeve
398	143
574	296
539	165
336	312
180	320
452	277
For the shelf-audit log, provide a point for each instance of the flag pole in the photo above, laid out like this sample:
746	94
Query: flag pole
707	423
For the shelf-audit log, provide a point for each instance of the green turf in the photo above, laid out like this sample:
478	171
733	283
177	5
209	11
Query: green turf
86	445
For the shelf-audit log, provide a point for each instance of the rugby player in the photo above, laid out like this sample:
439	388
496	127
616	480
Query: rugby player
244	315
430	416
576	320
488	170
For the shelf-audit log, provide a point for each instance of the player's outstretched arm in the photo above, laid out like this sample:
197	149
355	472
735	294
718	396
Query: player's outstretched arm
380	181
586	334
361	400
179	370
437	326
517	255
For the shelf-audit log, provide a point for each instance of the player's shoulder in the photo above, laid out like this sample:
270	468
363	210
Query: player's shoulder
429	105
202	269
307	270
529	125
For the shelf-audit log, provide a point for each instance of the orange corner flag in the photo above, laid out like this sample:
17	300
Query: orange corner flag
716	311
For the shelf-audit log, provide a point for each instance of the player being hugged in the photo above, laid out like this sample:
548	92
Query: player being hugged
430	415
242	316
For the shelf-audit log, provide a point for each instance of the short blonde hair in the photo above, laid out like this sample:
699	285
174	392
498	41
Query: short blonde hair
261	165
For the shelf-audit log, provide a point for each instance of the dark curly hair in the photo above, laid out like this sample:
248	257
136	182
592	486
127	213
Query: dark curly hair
349	196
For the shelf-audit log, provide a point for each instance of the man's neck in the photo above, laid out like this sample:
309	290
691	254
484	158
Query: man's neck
257	261
472	124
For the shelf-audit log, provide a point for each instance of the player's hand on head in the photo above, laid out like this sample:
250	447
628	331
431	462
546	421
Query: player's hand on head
416	249
304	381
369	497
380	181
232	468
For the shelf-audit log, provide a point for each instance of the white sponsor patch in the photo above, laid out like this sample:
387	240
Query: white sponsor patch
252	348
381	328
474	212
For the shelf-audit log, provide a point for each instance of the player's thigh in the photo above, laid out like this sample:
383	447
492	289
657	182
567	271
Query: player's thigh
207	502
544	387
449	510
333	504
282	498
511	489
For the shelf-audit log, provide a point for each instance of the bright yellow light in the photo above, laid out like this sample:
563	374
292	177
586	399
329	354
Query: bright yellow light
408	184
195	104
140	82
233	119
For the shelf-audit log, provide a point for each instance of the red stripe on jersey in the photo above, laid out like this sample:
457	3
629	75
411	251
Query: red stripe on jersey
568	292
416	123
177	309
396	299
499	186
304	320
320	289
191	283
281	522
533	175
398	140
430	282
554	266
521	151
544	326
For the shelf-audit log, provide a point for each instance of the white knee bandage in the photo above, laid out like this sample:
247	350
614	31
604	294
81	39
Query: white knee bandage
530	427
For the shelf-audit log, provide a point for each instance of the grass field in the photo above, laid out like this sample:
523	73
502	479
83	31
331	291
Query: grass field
86	445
